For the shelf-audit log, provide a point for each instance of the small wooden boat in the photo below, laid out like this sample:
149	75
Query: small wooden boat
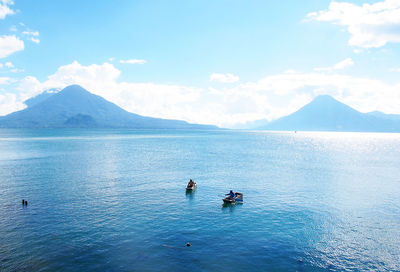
192	186
238	198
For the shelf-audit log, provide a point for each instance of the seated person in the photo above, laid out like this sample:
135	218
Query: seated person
231	194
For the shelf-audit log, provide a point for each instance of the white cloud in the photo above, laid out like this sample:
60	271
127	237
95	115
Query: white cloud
5	80
343	64
11	67
31	33
338	66
13	28
394	70
224	78
30	86
370	25
290	71
9	103
16	70
35	40
270	97
133	61
10	44
92	73
5	8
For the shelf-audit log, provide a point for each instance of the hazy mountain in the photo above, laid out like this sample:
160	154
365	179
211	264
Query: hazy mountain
384	115
40	97
325	113
81	120
76	107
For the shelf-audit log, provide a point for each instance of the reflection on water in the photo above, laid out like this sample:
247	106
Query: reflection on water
228	206
190	194
231	206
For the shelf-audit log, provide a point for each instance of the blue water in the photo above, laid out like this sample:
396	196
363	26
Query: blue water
115	200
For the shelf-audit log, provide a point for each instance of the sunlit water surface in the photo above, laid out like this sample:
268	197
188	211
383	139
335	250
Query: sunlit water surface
115	200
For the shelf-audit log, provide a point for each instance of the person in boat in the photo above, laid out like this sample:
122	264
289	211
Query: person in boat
231	194
191	183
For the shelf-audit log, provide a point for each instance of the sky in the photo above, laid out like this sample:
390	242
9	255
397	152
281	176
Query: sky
221	62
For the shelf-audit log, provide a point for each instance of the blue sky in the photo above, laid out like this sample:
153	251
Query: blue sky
221	62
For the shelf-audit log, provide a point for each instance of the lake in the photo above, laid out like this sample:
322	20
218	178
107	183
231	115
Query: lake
115	200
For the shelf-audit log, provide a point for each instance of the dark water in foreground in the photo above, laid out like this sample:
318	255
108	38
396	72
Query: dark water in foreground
115	201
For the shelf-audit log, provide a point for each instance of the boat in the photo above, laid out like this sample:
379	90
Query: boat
238	198
192	186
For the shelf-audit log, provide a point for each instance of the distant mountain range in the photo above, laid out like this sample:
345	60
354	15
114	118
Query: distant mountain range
76	107
325	113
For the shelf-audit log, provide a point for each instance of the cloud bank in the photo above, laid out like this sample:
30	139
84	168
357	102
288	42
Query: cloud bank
224	78
370	25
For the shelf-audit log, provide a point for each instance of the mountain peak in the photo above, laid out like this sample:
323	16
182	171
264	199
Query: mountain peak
325	113
325	98
325	104
74	89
